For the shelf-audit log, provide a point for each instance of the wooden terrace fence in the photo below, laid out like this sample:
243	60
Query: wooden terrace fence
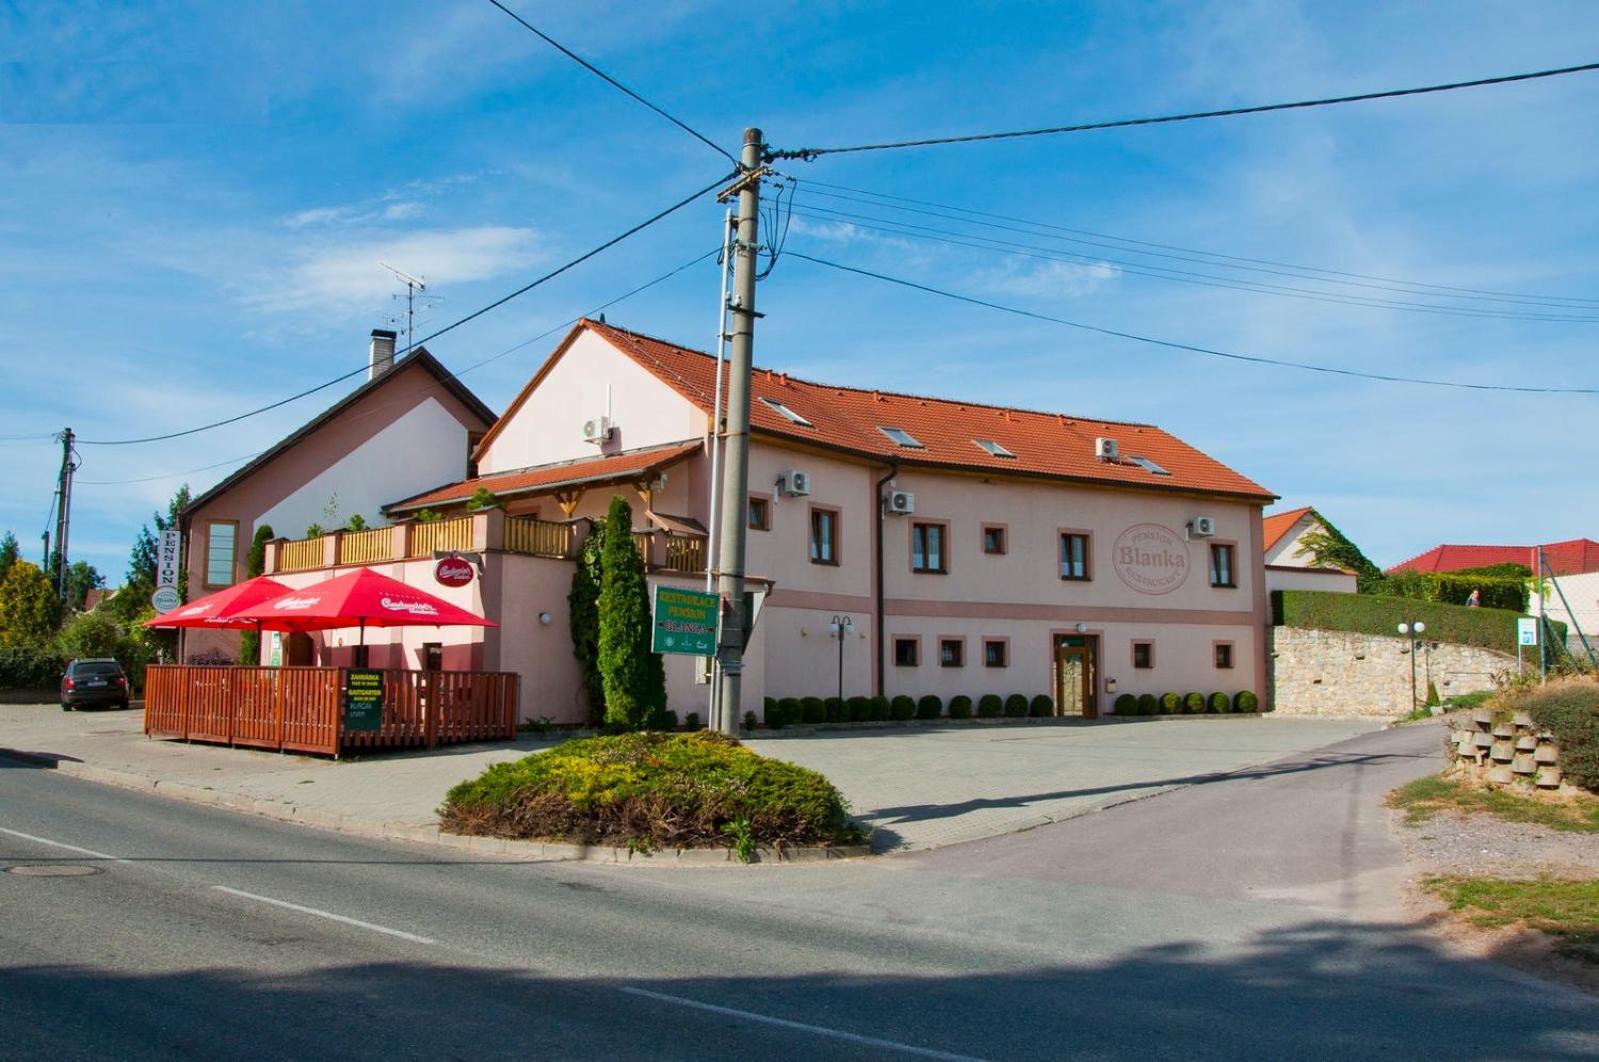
299	709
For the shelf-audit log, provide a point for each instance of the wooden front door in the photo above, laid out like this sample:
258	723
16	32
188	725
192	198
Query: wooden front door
1075	679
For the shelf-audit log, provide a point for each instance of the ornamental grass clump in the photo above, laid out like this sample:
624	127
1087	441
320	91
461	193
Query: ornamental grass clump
651	791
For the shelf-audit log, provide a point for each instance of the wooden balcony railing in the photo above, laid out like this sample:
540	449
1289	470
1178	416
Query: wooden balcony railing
685	554
453	534
301	555
367	547
539	538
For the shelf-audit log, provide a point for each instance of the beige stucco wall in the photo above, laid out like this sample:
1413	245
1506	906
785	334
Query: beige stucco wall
588	380
1316	672
1299	578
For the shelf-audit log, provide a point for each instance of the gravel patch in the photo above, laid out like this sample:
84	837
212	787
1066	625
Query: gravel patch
1486	846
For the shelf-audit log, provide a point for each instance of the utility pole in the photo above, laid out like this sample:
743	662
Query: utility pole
1543	623
736	449
69	465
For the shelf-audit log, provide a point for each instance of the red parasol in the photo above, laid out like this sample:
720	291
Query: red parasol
362	598
221	609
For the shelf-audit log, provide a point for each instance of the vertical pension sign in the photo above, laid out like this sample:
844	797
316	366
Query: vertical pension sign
363	700
684	621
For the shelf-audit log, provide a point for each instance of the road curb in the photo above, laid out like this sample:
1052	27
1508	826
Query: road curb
425	833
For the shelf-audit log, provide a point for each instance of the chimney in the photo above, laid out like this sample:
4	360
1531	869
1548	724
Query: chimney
380	356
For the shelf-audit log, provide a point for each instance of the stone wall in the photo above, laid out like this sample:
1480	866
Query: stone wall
1315	672
1503	749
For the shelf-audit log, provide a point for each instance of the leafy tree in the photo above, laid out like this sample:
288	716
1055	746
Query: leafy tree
255	564
1328	546
483	498
583	613
9	553
314	531
91	634
132	602
81	578
428	516
30	611
634	678
355	523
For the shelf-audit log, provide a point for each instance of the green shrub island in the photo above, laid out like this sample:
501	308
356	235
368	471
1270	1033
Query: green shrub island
646	791
960	707
1490	628
989	706
929	707
1041	707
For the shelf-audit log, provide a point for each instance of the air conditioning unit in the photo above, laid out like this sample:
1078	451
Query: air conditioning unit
794	483
597	430
1203	526
1105	448
901	502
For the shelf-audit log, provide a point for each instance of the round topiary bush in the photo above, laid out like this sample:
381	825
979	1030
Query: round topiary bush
1016	706
989	706
902	707
660	719
651	791
1126	704
1148	704
769	712
1041	706
1246	701
749	721
691	721
813	710
1569	709
1219	702
1170	704
879	709
834	709
1193	703
929	707
789	709
960	706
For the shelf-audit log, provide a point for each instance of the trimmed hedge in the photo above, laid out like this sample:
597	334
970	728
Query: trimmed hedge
1490	628
858	709
691	721
1148	704
813	710
1016	706
651	791
929	707
1193	703
1219	702
989	706
1126	704
1041	706
1170	704
1246	701
789	709
879	710
960	706
834	709
25	667
1570	711
902	707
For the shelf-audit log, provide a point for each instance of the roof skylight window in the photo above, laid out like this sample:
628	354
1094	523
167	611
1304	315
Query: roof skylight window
901	437
789	413
994	448
1149	466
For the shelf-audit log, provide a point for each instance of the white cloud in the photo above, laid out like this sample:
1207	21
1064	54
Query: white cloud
845	232
1051	280
403	210
348	275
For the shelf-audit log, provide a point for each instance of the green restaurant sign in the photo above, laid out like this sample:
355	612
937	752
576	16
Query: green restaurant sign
684	621
363	700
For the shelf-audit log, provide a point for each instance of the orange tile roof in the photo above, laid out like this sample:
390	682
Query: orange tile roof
848	418
1276	525
612	467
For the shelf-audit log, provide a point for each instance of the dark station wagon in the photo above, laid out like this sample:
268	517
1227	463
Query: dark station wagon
93	683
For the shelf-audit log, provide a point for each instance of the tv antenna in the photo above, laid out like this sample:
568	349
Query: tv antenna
414	287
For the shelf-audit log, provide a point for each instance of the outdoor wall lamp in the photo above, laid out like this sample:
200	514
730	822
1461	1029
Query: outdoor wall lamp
1414	631
544	618
1110	685
1082	628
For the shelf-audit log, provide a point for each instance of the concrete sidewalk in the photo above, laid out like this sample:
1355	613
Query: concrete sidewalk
919	788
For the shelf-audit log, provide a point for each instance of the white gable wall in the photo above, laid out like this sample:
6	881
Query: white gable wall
1285	554
549	425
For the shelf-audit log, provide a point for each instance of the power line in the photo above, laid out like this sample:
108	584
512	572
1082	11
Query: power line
608	79
922	232
613	241
1172	345
451	375
1382	283
807	154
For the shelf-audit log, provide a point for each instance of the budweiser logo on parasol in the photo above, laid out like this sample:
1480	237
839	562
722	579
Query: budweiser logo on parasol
453	571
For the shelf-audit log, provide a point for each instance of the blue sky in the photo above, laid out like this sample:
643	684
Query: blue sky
194	199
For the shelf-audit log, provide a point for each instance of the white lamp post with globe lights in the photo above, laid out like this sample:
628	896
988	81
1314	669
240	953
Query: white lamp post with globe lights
1414	631
841	627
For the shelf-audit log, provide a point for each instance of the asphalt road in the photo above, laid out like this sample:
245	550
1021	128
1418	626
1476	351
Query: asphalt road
1249	917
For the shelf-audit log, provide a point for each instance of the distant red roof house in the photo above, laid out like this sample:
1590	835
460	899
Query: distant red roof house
1276	525
1572	557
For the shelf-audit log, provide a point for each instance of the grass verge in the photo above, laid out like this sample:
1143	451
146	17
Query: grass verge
1426	797
653	790
1566	909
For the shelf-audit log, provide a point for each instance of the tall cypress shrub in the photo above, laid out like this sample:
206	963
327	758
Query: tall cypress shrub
250	641
633	677
583	615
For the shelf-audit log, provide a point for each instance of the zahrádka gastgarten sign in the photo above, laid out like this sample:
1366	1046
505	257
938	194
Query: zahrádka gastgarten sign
1151	559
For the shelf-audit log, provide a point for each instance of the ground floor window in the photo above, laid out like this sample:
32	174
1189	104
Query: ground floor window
952	652
1143	655
907	652
1224	654
996	652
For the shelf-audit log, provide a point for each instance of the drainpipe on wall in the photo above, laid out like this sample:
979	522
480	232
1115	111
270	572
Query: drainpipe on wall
877	615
